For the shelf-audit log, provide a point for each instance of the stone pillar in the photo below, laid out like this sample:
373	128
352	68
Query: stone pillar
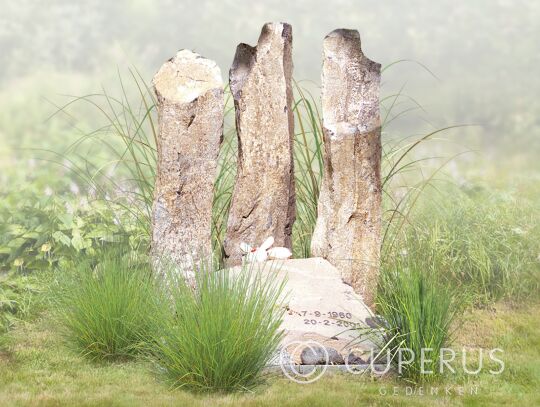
348	229
263	201
189	91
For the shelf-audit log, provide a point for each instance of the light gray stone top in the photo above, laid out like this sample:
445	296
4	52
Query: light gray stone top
186	76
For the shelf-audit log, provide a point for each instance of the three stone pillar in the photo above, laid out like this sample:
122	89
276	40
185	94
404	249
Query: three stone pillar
190	108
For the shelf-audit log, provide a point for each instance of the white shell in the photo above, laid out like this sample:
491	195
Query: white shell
260	255
263	252
267	243
279	253
257	256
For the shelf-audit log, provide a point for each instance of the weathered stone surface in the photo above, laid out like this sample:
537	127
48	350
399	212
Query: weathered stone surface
189	92
354	359
321	310
317	355
348	229
263	201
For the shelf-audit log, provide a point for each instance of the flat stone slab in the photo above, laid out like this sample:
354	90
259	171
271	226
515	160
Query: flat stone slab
321	310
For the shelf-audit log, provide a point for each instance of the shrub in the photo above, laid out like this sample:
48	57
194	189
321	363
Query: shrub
39	232
220	335
418	311
107	308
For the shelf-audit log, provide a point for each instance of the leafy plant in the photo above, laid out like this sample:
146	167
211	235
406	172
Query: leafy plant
221	334
39	231
107	308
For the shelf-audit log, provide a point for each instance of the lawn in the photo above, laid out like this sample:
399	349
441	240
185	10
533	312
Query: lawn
39	368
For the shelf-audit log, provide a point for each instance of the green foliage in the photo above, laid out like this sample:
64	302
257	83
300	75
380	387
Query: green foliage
482	240
460	245
418	311
224	183
494	238
219	336
479	240
17	298
38	370
107	308
117	158
308	162
128	133
38	231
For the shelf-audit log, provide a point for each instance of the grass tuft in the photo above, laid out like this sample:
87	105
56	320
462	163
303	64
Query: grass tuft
106	309
418	311
220	335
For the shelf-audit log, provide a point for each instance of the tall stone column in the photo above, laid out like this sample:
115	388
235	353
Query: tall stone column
189	91
263	201
348	229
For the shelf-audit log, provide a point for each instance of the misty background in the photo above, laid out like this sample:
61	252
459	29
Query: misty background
476	62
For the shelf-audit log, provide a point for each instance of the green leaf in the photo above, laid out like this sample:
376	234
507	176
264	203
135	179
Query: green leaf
15	229
31	235
79	222
78	242
17	243
61	238
98	232
40	229
67	220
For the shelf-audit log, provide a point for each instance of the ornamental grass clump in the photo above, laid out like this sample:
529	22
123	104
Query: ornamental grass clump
418	311
220	332
106	308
